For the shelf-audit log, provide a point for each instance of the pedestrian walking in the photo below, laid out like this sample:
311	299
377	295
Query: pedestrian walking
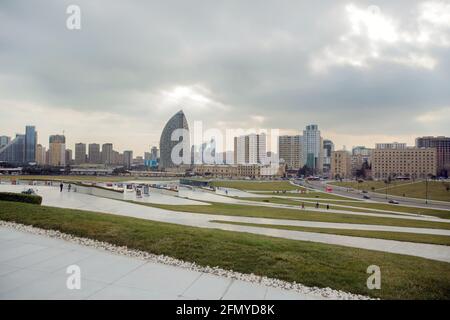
303	205
69	187
61	186
328	207
317	205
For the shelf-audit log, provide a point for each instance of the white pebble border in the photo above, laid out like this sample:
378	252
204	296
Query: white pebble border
270	282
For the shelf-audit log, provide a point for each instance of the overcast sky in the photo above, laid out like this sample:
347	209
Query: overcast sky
364	71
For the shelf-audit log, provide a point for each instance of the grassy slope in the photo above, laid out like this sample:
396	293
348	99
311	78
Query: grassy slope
313	264
315	195
399	236
368	205
280	213
257	185
436	189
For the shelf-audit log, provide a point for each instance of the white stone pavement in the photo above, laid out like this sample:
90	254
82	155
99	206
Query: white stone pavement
52	197
34	267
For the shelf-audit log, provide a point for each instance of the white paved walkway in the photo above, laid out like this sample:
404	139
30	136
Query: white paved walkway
52	197
34	267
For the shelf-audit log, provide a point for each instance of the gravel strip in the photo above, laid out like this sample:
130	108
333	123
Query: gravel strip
270	282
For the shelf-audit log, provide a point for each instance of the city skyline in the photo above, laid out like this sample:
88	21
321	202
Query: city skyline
376	73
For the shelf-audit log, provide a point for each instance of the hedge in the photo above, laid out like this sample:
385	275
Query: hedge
20	197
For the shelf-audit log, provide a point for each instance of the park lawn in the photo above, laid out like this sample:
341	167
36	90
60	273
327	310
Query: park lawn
366	185
315	195
437	190
388	235
312	264
228	209
257	185
364	206
77	178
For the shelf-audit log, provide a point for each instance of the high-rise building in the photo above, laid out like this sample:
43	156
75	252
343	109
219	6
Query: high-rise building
250	149
30	144
14	151
328	148
69	157
361	156
94	153
340	164
128	158
410	162
442	145
313	148
57	150
41	155
80	153
107	154
166	143
290	150
4	140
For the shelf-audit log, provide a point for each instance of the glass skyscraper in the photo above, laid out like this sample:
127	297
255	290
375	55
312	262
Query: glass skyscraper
30	144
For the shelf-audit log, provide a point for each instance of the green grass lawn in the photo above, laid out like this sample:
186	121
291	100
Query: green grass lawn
312	264
78	178
362	206
257	185
293	214
388	235
315	195
437	190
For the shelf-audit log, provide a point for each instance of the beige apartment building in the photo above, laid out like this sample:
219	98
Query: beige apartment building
341	164
409	162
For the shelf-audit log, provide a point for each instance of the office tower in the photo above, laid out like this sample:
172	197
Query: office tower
328	148
340	165
80	153
178	121
107	154
4	140
128	158
30	144
154	153
290	150
69	157
14	151
250	149
361	156
94	153
57	150
41	155
442	145
313	148
408	162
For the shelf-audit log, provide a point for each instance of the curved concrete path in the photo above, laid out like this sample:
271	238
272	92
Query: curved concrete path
52	197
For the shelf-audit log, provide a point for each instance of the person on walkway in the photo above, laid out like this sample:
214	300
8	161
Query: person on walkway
69	187
303	205
61	187
328	207
317	205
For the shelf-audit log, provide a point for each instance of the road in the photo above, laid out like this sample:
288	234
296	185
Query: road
378	197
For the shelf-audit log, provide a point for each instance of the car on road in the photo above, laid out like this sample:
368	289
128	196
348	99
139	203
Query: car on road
364	191
393	201
366	197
